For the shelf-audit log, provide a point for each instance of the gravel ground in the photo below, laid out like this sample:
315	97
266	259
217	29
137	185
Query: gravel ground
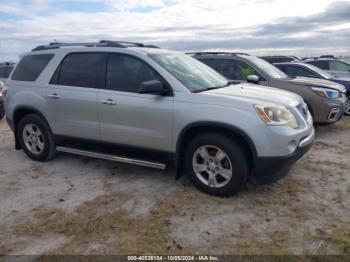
78	205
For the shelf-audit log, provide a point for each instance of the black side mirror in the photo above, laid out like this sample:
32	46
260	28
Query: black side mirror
253	79
154	87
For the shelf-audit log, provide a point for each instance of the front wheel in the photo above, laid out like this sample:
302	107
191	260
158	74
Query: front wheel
35	138
347	106
216	164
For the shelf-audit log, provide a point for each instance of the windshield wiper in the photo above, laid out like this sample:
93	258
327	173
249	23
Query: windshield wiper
230	82
233	82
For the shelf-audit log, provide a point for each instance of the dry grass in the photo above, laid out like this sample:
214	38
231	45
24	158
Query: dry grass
305	213
4	249
119	233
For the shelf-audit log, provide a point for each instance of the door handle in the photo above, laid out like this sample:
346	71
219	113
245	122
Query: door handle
54	96
109	102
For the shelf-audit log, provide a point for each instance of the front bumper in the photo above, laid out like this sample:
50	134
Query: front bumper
10	123
332	111
271	169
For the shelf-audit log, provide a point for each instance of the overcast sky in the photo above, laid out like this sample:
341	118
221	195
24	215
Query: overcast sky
300	27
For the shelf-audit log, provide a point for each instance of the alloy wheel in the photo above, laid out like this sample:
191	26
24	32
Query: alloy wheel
212	166
347	106
33	139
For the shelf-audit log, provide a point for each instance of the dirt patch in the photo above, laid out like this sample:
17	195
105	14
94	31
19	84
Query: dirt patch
98	207
96	229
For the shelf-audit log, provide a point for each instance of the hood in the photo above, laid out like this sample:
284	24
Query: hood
344	81
341	79
258	94
306	81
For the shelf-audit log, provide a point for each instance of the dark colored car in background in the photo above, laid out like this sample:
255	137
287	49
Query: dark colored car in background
279	58
332	65
5	70
325	99
295	69
2	107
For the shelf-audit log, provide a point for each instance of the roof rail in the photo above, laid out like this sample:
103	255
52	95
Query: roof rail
327	56
102	43
216	53
306	58
126	44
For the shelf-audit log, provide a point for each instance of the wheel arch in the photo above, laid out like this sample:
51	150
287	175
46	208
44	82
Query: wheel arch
19	113
197	128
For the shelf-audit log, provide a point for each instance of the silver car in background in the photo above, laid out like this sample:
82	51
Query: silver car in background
139	104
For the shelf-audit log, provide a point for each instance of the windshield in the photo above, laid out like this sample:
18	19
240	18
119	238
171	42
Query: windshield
193	74
319	71
266	67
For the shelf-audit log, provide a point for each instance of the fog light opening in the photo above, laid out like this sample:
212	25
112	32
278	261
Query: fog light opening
292	145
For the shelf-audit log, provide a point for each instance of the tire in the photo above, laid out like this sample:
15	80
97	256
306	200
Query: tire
35	138
2	110
347	106
230	170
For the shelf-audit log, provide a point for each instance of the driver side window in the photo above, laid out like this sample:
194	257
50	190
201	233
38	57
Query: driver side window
299	71
126	73
236	70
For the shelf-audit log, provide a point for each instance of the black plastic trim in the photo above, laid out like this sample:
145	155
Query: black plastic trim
116	149
233	129
271	169
15	121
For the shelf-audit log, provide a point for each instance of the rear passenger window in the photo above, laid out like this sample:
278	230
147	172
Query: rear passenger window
323	64
126	73
338	66
298	71
30	67
82	70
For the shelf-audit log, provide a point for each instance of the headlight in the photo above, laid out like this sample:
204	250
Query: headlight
276	116
326	92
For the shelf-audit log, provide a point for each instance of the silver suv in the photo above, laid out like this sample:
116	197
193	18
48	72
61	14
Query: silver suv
147	106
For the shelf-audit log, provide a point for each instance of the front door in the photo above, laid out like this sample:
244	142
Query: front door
127	117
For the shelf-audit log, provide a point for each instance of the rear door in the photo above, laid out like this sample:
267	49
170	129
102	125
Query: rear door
72	95
127	117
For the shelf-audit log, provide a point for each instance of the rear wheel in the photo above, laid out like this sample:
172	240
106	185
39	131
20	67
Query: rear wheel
216	164
35	138
347	105
2	110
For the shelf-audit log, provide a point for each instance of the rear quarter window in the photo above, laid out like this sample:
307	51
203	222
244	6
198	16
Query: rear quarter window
30	67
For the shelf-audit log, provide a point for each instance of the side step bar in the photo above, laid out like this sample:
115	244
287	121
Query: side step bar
111	157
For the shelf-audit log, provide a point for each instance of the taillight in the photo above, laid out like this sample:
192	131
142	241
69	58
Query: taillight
4	91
